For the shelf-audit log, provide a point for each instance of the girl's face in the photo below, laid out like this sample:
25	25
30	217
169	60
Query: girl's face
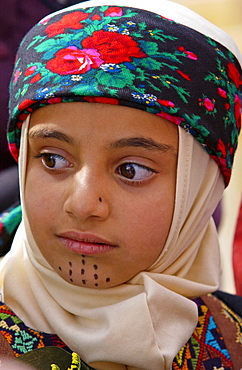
100	190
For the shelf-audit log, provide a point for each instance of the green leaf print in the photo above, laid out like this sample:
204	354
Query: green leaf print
120	79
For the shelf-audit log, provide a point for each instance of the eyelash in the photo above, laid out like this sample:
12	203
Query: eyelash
127	166
132	181
54	156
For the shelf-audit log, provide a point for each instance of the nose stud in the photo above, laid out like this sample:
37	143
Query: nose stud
100	199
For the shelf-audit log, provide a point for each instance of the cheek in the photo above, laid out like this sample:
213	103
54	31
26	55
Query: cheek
40	199
146	228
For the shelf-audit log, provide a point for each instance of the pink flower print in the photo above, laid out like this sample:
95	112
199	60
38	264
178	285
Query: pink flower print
222	93
14	150
17	74
209	104
113	11
74	61
189	54
169	117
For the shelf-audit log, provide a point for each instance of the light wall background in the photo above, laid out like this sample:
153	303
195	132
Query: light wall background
226	14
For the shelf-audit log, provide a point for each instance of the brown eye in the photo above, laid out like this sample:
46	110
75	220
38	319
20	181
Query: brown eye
54	161
49	160
127	170
134	171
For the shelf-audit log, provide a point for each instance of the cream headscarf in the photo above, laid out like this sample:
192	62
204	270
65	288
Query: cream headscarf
141	324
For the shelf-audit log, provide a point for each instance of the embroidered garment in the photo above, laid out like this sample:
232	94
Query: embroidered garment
205	350
154	309
119	55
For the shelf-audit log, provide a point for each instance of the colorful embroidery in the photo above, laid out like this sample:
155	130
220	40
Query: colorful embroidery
23	339
227	312
206	349
134	58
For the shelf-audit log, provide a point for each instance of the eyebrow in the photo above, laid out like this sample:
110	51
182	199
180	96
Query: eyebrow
45	133
134	142
142	142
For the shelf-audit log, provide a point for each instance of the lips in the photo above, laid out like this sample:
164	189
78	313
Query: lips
83	243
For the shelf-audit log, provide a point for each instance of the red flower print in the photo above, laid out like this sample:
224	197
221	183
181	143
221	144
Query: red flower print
221	148
166	103
54	100
113	11
113	47
169	117
221	162
36	78
96	17
189	54
71	20
30	70
184	75
237	110
101	99
222	93
25	104
227	106
74	61
234	74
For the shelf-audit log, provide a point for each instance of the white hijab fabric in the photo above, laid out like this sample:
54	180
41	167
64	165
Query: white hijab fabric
141	324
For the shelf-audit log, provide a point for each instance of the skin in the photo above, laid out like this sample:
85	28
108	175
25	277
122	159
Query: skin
104	179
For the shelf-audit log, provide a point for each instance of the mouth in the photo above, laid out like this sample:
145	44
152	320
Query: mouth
85	244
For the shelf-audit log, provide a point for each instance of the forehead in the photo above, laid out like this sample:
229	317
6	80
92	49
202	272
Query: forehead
102	121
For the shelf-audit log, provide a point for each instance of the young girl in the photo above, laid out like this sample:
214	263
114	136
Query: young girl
125	119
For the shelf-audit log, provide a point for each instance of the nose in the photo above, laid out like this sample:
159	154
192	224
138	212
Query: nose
86	196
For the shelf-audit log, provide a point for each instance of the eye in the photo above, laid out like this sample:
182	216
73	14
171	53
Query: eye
54	161
134	171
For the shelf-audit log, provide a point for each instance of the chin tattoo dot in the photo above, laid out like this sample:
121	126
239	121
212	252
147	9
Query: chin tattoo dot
84	282
107	280
95	267
60	268
83	262
95	276
96	284
82	271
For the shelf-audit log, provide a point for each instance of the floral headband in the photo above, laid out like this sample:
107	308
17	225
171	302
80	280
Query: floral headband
135	58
